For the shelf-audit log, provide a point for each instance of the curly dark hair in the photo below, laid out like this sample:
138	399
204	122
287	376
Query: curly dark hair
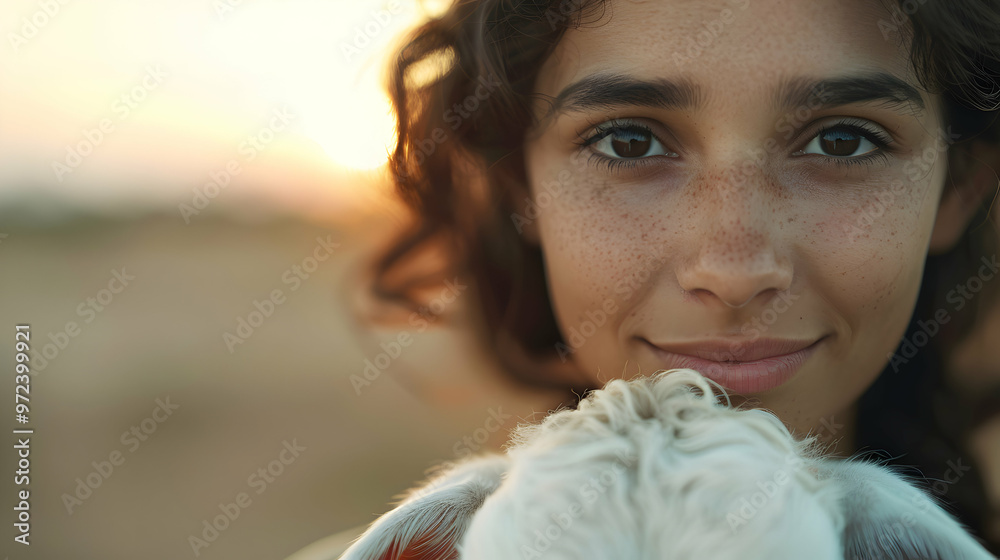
954	49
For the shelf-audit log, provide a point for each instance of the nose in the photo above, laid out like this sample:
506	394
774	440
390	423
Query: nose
736	252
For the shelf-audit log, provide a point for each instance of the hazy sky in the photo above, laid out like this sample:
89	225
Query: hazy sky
116	100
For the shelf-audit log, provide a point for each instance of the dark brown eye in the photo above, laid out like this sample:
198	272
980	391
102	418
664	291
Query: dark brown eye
840	142
627	145
628	142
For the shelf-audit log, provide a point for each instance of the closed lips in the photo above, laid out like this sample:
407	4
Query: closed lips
735	350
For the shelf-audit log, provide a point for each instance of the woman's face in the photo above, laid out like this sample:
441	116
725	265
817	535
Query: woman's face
710	177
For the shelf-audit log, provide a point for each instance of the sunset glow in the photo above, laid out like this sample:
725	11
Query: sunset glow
103	91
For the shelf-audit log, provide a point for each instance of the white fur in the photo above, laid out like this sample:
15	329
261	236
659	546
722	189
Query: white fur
657	468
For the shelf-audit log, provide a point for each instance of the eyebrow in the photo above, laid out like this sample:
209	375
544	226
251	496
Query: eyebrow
609	91
891	91
606	91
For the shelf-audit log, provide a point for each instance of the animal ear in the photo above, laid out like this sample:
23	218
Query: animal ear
887	518
431	521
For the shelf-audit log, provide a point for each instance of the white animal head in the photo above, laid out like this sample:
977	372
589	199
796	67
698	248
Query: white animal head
657	468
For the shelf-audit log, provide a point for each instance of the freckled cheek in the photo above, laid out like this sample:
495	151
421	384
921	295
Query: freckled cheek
592	243
869	250
889	217
583	248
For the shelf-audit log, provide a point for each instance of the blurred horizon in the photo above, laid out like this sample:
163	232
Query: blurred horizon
111	106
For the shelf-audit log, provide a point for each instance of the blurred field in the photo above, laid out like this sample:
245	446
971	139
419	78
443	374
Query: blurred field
162	338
